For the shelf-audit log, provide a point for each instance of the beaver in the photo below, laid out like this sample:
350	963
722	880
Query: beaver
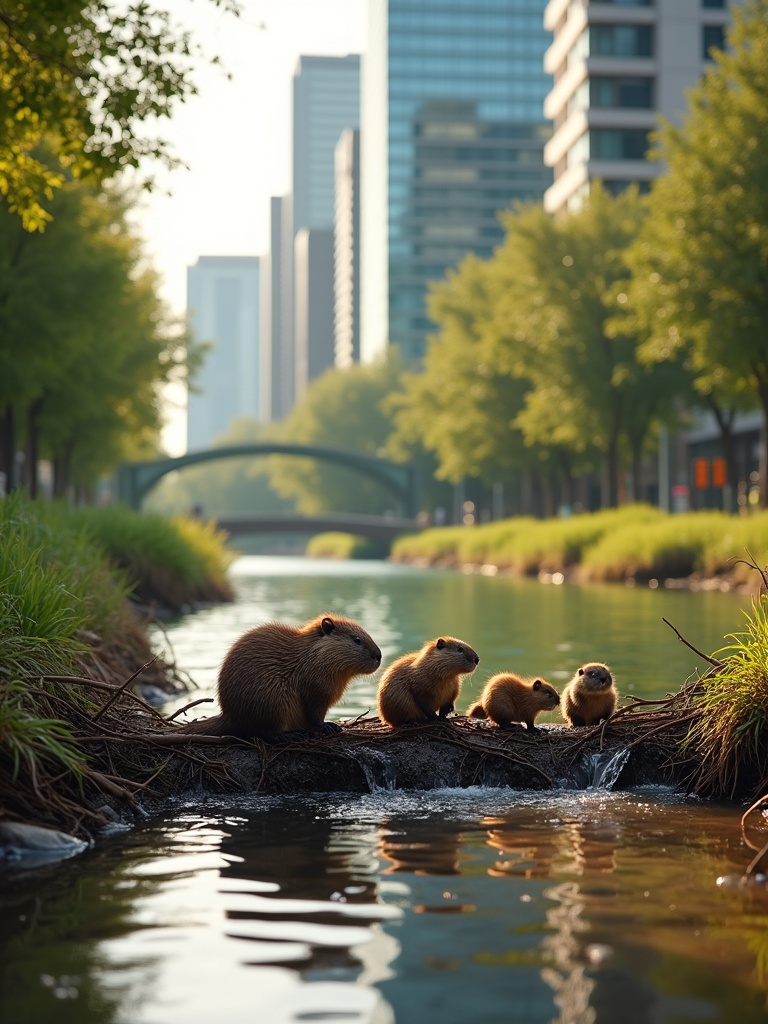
590	696
423	685
278	678
506	698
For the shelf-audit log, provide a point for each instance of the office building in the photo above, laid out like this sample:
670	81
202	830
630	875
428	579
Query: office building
313	305
453	132
346	248
277	356
223	303
617	65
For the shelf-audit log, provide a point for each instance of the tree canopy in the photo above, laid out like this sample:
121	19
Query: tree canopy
699	268
85	342
93	80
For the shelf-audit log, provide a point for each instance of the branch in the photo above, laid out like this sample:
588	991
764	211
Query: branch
681	638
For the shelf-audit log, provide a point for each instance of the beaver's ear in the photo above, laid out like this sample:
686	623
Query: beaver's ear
327	626
581	671
537	684
440	644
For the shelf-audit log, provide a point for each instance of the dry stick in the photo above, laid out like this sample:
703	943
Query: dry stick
202	700
681	638
664	725
745	815
122	689
98	684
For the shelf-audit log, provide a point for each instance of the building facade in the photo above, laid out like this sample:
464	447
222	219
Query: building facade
346	251
453	132
616	65
223	302
313	305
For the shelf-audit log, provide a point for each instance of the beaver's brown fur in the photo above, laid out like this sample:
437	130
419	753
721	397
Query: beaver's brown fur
590	696
506	698
278	678
424	684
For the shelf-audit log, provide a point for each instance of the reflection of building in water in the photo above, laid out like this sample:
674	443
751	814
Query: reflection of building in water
566	975
419	847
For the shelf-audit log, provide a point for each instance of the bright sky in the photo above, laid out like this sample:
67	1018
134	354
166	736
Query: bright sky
235	135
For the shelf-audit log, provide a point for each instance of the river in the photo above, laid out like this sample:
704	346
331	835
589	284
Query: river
452	905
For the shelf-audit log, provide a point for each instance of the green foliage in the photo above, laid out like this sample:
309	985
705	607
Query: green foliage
98	79
699	265
345	546
97	341
730	735
342	409
174	561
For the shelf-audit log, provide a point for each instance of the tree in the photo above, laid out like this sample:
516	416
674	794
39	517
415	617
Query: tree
93	79
559	281
343	409
85	342
700	266
459	406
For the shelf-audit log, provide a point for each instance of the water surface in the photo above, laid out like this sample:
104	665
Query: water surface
451	905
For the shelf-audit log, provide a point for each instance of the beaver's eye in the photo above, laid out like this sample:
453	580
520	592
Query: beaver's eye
460	649
357	640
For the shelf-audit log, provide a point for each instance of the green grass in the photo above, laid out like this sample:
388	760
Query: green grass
344	546
635	541
731	734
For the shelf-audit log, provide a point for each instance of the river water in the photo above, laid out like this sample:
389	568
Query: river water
451	905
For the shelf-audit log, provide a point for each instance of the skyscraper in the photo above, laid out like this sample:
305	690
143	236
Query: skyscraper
617	65
453	131
326	101
223	302
346	257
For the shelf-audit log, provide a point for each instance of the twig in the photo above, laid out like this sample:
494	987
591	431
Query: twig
121	689
682	639
194	703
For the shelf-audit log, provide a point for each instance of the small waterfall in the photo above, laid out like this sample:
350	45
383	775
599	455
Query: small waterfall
379	769
597	771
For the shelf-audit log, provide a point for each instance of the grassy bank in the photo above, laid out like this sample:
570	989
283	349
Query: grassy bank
69	637
345	545
634	542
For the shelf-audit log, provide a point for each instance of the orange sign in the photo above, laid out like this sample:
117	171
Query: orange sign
701	472
719	475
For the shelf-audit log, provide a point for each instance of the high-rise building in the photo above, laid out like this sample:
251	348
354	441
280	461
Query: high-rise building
277	356
326	100
453	132
617	65
223	302
313	304
346	249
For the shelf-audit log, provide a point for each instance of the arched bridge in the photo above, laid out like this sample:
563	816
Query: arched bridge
373	527
136	479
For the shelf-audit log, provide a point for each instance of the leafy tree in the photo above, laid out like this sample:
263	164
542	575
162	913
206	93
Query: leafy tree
95	78
700	266
559	281
343	409
85	342
460	407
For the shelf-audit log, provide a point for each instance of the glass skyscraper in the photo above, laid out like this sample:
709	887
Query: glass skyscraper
453	132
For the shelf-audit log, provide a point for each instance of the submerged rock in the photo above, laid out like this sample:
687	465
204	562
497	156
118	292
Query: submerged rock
31	844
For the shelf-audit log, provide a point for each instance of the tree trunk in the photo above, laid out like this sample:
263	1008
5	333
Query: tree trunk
32	448
8	448
611	482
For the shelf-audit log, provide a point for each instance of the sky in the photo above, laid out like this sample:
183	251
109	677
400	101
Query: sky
234	136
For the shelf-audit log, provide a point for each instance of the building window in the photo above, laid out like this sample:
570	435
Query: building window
624	91
718	5
712	36
618	143
621	40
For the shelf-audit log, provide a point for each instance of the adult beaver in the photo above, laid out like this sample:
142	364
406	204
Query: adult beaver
278	678
506	698
424	684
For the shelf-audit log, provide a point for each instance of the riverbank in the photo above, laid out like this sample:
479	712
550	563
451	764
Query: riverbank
633	544
77	587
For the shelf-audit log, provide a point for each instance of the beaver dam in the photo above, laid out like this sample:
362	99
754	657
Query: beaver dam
136	757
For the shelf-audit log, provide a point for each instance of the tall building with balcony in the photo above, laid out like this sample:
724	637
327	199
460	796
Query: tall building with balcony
617	65
453	132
